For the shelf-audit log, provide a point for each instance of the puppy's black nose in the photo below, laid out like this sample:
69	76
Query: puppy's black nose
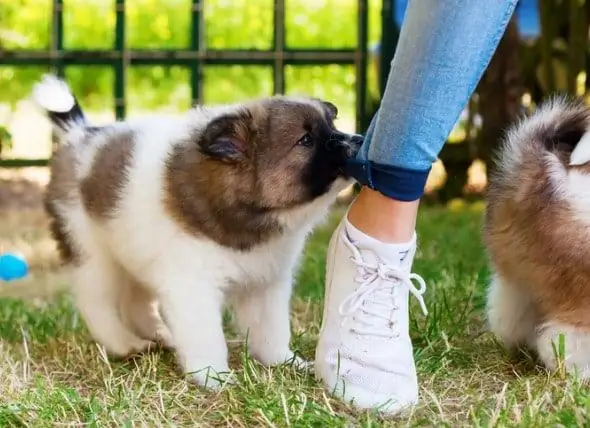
340	140
357	140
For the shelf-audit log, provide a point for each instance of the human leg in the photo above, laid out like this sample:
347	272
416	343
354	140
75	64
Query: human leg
364	352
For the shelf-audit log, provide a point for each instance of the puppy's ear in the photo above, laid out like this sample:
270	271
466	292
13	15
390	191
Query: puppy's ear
330	108
225	138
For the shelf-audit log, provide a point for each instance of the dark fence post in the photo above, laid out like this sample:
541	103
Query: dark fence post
196	44
389	38
361	64
278	44
122	62
57	39
577	43
500	94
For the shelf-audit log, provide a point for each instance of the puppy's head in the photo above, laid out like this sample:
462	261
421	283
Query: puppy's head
277	153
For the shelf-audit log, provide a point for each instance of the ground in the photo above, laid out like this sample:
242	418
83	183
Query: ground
52	374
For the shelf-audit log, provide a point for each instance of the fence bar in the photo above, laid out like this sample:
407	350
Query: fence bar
361	62
197	44
121	61
57	39
279	47
23	163
180	57
389	38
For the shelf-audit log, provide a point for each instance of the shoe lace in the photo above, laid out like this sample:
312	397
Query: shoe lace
373	304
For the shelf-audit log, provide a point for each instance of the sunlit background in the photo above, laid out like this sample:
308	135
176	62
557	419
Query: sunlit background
162	24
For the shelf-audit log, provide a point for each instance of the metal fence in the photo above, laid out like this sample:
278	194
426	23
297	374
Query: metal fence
194	58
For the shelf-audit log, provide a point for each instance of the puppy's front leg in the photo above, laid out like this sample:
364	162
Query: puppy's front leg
262	313
193	312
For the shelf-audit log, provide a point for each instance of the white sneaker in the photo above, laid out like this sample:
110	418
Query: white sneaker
365	354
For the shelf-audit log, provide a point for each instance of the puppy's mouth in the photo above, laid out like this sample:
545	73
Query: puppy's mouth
347	146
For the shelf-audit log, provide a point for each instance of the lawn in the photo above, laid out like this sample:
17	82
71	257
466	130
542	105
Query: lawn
52	374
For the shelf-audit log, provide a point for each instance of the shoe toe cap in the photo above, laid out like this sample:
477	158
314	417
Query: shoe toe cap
365	395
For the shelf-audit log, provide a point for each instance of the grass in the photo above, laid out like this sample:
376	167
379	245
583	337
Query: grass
51	373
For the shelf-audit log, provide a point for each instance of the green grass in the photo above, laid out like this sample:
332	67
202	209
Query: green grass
51	374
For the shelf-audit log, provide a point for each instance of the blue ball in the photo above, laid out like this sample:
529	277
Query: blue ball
12	267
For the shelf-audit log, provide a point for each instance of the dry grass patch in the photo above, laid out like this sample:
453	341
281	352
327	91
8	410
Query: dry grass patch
52	374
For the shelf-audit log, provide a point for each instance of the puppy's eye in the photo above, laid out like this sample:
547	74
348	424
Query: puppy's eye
306	141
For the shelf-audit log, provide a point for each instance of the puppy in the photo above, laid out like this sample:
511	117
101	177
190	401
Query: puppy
537	232
168	219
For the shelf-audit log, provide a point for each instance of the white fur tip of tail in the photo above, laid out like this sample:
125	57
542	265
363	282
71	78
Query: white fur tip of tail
581	153
53	94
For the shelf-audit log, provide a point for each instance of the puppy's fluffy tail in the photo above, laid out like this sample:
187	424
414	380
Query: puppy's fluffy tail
54	96
557	135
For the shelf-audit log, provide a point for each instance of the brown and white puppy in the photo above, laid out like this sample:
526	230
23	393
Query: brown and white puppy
537	231
188	214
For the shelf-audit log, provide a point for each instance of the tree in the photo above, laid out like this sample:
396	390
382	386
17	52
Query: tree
500	95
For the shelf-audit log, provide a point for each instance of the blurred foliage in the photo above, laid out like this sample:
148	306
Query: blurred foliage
5	139
165	24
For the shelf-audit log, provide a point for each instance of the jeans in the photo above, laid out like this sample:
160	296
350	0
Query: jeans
443	49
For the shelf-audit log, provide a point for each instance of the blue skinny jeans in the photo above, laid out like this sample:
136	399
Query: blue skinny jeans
443	49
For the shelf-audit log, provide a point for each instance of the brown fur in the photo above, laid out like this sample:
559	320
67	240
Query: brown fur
99	191
534	241
101	188
62	190
232	201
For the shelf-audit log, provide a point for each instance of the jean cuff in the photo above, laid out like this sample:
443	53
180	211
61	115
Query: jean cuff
396	183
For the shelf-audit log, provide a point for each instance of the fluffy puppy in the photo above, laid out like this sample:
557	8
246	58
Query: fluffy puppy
168	219
537	231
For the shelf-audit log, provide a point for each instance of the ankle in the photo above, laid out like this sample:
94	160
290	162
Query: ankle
382	218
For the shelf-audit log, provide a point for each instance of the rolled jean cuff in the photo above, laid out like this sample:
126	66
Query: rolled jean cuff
401	184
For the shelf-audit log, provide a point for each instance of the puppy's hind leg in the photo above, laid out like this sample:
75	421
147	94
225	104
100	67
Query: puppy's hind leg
97	292
561	343
511	313
139	310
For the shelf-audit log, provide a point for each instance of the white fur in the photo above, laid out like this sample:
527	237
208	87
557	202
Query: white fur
511	156
576	357
521	139
53	94
570	185
578	196
511	314
191	277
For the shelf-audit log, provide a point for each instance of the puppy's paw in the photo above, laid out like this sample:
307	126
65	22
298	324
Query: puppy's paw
286	357
164	337
301	364
212	379
128	349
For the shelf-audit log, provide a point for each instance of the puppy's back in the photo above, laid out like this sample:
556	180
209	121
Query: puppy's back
87	176
537	220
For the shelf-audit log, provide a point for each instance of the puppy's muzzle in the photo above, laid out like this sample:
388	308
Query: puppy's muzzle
349	143
356	141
